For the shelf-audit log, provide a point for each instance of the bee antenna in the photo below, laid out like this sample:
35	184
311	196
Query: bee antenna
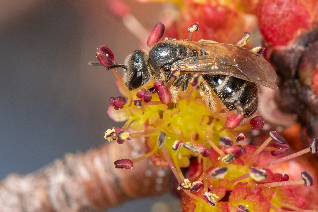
116	66
93	63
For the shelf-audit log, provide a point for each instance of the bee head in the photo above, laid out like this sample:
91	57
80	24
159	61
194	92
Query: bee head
137	73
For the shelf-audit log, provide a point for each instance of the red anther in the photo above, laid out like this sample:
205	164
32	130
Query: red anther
118	102
156	34
105	56
257	123
277	137
147	96
239	108
164	94
196	80
279	151
122	135
285	177
209	198
196	186
225	141
257	174
279	145
219	172
240	137
309	181
259	50
238	150
118	8
241	208
123	164
141	93
161	139
193	27
205	152
234	120
177	145
281	148
137	102
314	146
157	85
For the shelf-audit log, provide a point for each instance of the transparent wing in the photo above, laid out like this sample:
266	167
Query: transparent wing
227	59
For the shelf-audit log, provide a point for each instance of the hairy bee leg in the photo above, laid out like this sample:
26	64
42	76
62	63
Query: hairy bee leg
174	92
180	84
208	96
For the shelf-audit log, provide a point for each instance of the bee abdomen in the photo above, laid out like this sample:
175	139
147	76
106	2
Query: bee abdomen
231	89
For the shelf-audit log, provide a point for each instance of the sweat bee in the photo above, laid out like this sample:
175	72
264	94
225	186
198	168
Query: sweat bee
230	72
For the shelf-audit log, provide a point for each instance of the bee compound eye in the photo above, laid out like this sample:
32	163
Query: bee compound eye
136	80
166	68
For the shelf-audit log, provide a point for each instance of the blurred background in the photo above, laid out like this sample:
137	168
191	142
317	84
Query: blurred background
51	101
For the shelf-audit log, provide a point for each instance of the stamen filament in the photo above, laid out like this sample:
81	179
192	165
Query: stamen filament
126	125
127	93
170	82
261	148
193	196
190	95
216	148
147	133
296	209
145	156
244	127
277	184
154	103
172	167
244	176
288	157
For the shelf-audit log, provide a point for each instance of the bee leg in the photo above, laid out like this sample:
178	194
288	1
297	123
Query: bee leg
180	84
208	96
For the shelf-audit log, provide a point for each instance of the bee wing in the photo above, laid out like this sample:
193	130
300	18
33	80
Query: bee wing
227	59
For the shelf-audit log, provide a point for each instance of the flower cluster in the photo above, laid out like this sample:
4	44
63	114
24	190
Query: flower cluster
228	175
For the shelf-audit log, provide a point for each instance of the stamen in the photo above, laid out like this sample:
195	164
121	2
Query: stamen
244	176
277	137
257	123
259	49
210	198
156	34
145	156
126	125
178	175
161	139
148	133
257	174
233	121
225	141
241	208
218	173
288	157
261	148
243	40
123	164
240	137
177	145
228	158
307	181
191	89
192	28
216	148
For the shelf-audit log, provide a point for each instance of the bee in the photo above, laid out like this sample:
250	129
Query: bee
230	72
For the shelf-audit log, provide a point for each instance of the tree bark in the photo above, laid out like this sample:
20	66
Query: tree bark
85	182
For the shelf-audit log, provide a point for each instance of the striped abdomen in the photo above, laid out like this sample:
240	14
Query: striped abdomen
231	89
